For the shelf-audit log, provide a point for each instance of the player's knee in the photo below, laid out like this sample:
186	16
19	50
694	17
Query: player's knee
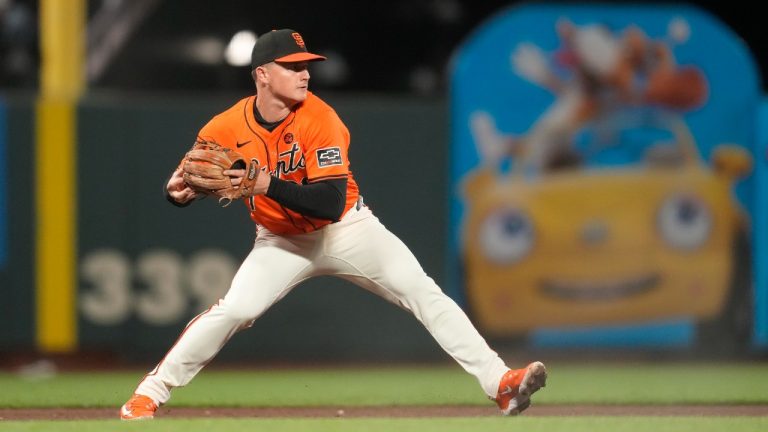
240	313
406	285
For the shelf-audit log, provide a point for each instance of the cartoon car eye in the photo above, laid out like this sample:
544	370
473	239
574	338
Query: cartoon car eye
506	236
685	222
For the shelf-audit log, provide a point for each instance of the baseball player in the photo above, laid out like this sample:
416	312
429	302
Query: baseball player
311	221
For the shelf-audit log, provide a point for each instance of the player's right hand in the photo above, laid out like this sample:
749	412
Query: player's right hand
178	189
260	186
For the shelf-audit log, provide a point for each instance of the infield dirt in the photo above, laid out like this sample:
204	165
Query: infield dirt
391	412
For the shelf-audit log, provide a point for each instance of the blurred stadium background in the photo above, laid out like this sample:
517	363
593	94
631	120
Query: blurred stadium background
109	270
394	46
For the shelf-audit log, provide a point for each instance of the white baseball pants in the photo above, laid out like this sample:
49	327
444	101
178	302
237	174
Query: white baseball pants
357	248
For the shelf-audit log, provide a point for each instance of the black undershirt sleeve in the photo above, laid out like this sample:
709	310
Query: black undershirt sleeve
323	200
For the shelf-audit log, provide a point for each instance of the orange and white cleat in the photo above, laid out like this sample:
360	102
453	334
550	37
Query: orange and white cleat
517	386
138	407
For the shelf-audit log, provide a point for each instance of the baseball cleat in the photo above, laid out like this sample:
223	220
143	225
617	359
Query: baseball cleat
517	386
138	407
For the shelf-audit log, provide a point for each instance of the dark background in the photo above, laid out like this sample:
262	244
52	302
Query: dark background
396	54
393	46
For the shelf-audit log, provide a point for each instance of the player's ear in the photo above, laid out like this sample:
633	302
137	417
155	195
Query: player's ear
259	72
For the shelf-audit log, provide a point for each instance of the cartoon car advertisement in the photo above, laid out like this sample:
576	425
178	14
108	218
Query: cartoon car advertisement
601	164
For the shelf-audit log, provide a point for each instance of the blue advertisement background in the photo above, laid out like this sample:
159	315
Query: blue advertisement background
483	80
761	229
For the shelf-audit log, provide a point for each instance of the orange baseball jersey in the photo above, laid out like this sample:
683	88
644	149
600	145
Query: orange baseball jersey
310	145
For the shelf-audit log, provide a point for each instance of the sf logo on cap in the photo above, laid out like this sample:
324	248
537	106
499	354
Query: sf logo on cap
297	37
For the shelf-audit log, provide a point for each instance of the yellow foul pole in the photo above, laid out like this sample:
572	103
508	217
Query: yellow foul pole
62	79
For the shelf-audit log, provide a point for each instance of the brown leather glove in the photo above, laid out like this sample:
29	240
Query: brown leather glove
204	167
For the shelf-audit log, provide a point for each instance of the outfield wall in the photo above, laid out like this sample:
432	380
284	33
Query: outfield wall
17	271
145	267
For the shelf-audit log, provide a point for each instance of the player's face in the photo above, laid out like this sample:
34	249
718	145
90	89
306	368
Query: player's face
289	81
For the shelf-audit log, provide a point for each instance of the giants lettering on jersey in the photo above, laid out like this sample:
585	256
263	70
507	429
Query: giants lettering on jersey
294	163
328	157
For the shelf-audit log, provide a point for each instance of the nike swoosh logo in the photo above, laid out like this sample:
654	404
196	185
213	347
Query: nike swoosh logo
125	411
242	143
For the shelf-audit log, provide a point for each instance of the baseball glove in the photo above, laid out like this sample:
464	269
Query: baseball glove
204	167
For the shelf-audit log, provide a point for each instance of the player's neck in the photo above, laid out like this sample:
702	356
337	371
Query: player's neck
271	108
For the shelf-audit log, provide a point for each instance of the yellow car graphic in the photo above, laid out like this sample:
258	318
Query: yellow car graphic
644	242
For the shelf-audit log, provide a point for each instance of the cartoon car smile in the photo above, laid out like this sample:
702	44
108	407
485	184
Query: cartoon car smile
596	245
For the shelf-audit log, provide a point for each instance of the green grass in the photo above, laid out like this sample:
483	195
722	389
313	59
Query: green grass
529	424
568	384
448	385
732	383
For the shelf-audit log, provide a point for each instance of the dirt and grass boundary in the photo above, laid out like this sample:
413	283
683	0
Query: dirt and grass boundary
390	411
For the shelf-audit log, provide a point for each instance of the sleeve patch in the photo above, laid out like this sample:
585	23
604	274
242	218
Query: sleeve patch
328	157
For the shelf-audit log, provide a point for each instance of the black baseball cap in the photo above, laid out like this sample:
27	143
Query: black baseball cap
284	45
